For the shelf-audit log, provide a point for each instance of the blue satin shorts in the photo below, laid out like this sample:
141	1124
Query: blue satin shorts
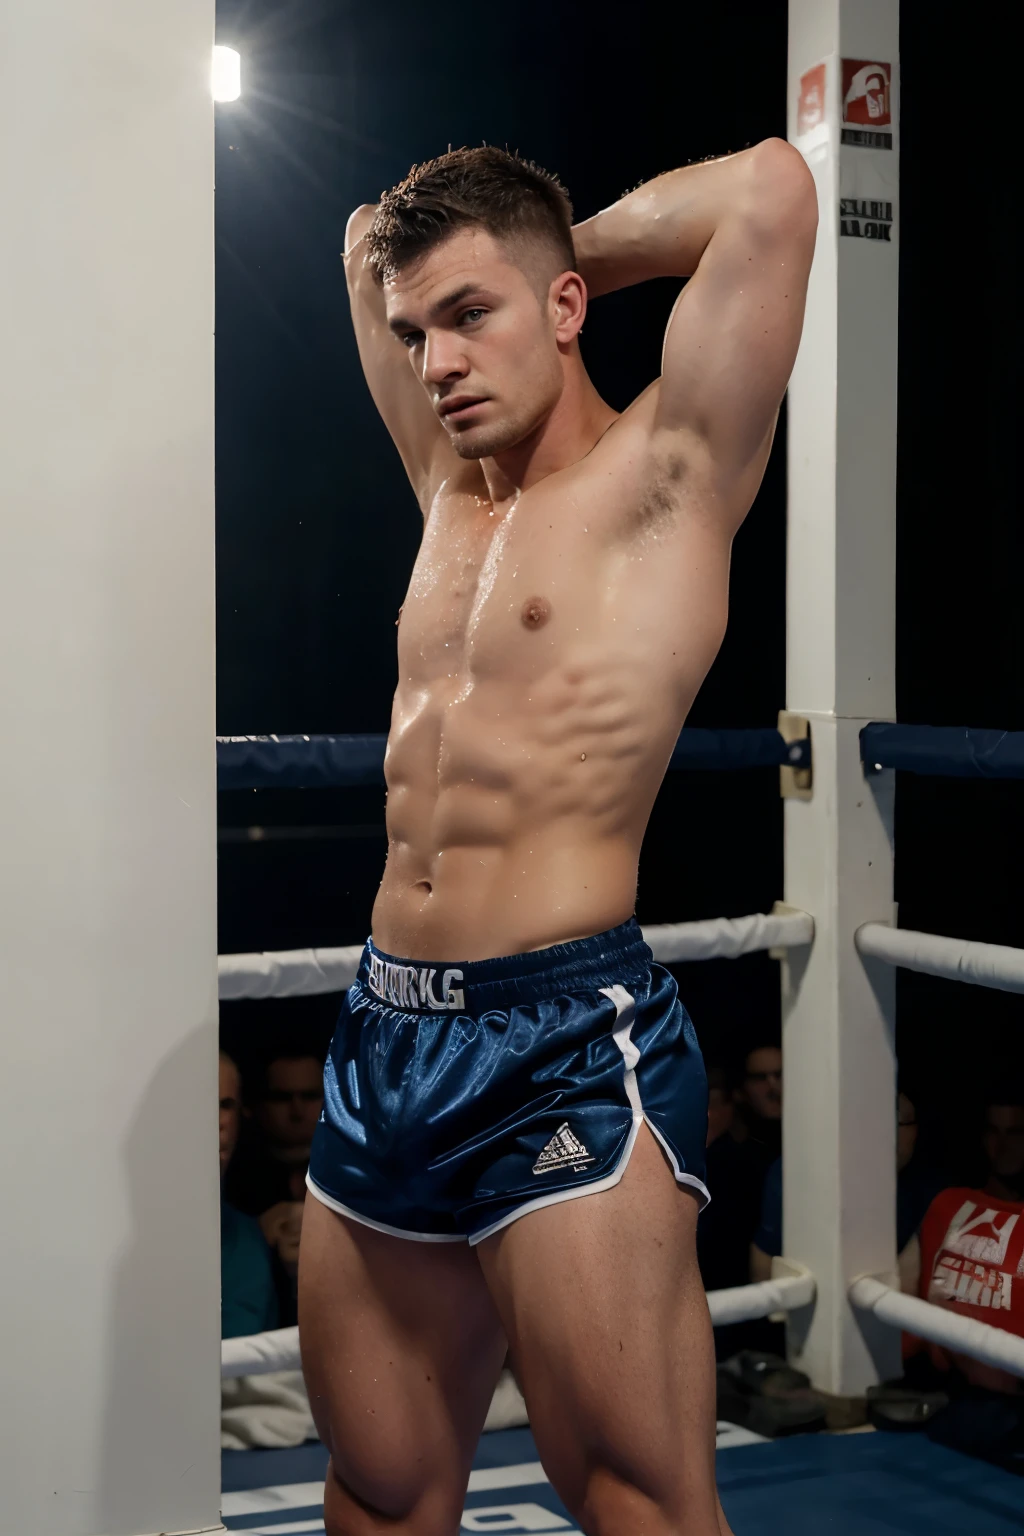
459	1097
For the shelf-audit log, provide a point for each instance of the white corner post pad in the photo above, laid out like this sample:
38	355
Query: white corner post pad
839	1118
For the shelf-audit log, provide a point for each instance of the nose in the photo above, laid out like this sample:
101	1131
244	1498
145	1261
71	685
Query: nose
443	358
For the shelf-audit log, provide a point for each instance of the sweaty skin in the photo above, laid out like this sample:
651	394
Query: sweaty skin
571	589
549	651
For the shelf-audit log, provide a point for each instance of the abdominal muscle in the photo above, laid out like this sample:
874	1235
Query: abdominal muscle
511	829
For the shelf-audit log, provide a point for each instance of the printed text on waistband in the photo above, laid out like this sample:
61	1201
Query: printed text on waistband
411	986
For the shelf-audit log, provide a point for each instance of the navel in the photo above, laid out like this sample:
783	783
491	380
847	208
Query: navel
535	612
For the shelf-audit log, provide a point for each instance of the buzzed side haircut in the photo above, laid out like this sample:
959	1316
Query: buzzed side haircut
516	201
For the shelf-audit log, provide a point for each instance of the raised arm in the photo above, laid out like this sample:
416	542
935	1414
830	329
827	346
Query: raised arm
742	229
397	393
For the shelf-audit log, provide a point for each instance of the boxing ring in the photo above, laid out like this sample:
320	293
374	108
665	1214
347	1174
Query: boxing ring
113	1362
349	761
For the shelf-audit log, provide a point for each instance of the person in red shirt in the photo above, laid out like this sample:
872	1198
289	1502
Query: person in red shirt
972	1249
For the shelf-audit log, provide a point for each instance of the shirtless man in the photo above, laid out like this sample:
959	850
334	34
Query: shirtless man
568	599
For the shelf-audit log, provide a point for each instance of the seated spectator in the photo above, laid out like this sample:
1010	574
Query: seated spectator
916	1187
972	1260
735	1174
283	1107
759	1102
972	1257
268	1178
248	1297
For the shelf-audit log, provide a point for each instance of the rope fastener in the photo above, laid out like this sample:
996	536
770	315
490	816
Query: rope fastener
796	773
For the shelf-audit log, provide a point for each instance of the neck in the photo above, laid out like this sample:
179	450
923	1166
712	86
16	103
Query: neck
578	421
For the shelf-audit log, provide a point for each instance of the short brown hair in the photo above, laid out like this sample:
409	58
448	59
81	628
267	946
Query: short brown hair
493	189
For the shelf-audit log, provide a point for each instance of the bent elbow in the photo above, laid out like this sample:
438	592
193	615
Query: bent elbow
782	189
359	221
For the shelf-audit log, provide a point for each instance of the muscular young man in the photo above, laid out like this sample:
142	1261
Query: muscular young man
509	1045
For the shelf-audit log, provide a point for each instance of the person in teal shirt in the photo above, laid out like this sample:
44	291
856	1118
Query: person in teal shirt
248	1297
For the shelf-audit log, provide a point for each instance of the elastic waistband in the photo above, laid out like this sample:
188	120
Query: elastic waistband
423	986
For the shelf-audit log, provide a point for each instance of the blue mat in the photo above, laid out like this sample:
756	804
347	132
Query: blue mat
813	1485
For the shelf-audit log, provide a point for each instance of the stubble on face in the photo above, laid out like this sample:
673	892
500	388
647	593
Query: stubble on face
484	442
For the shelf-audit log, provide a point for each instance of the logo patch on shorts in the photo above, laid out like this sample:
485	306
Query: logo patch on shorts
411	986
564	1150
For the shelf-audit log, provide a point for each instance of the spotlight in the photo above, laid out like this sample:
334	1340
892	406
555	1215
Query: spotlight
226	74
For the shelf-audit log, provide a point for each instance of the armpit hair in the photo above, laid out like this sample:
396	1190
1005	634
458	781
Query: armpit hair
659	499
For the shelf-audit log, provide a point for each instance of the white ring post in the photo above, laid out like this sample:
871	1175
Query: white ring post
839	1126
109	1284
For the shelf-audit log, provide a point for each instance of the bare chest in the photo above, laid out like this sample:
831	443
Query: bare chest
491	594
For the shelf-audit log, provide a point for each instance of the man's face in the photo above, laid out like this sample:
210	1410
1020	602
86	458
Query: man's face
1004	1139
290	1107
762	1082
230	1110
477	329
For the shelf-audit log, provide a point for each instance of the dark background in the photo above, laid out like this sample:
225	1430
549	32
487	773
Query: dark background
317	528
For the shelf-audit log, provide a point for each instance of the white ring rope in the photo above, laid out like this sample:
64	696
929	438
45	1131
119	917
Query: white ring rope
743	1303
993	1346
726	938
287	973
259	1353
307	972
256	1354
986	965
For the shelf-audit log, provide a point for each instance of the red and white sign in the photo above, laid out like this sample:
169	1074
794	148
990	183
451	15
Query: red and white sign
866	92
810	108
972	1257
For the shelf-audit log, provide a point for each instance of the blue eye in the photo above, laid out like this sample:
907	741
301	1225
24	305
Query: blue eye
466	314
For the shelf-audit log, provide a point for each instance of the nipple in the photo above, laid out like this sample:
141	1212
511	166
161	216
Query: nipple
535	612
399	619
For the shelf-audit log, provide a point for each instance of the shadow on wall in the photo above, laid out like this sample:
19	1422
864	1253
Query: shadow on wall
162	1418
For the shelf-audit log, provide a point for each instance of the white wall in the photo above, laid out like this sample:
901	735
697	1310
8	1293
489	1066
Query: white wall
109	1304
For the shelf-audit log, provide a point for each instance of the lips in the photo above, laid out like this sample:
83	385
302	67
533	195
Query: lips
459	405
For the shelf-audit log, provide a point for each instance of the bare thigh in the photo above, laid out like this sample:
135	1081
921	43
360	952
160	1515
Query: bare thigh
611	1340
401	1349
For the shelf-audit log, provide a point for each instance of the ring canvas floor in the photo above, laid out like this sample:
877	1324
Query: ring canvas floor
811	1485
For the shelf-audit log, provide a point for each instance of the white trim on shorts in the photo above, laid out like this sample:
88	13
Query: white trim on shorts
625	1013
380	1226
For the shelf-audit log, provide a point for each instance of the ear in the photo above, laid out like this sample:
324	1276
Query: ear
567	305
